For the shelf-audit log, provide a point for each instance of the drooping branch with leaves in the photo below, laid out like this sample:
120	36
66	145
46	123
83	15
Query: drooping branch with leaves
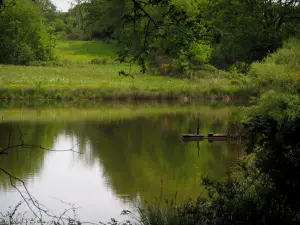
191	33
149	31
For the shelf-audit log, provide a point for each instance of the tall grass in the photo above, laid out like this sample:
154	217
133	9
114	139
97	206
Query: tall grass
160	213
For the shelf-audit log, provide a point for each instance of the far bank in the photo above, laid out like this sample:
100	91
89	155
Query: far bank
103	82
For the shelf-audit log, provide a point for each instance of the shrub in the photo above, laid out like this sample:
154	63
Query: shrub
24	36
189	60
279	70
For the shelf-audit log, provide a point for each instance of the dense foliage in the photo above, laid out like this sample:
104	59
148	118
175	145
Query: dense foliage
247	31
173	37
178	37
158	34
278	72
24	36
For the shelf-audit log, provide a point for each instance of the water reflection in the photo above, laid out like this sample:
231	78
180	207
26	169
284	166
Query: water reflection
24	163
136	155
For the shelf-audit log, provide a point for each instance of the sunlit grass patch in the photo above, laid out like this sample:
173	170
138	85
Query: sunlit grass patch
86	51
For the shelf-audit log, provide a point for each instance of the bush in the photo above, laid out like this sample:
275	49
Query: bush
188	60
279	70
24	36
274	125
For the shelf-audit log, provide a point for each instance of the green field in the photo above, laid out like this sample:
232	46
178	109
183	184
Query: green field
85	51
73	76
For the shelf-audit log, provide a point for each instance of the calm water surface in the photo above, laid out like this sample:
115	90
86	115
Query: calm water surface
130	152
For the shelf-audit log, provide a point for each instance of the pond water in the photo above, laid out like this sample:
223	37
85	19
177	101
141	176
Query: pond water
129	153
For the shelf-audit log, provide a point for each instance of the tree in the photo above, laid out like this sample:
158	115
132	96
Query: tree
48	9
4	4
148	31
246	31
25	36
184	32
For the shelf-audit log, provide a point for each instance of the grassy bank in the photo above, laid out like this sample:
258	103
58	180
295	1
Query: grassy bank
87	70
103	82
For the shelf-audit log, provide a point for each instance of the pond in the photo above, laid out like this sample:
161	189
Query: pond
129	153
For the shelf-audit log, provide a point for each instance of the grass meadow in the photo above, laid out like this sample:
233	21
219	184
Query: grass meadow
88	70
85	51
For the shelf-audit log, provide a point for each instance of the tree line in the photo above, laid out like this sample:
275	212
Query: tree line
177	35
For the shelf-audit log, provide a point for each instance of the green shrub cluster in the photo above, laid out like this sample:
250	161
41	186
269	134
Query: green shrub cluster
280	71
24	36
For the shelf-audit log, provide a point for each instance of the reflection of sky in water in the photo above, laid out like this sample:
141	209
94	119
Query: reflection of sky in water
67	177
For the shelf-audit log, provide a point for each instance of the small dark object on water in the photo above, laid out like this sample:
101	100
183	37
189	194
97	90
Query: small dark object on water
193	137
210	135
200	137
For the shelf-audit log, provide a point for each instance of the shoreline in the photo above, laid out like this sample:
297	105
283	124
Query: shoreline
87	93
103	83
